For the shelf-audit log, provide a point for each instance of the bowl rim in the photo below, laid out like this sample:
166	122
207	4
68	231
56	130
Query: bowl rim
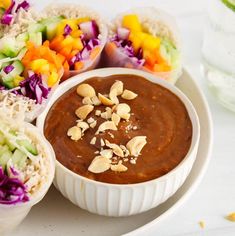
75	80
51	165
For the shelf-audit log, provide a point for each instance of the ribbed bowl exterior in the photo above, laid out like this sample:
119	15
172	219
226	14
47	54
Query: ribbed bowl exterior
120	200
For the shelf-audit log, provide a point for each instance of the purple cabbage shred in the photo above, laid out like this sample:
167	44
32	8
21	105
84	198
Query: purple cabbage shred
34	88
126	47
12	190
67	30
9	13
88	46
8	69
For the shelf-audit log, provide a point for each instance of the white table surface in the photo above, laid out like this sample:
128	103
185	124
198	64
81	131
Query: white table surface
215	197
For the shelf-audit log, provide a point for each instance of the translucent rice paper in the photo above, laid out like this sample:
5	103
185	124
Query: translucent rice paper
77	11
158	23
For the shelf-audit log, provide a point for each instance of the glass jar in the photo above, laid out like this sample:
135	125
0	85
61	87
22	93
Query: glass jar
218	51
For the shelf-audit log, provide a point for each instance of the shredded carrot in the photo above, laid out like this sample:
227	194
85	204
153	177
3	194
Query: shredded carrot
95	51
110	48
78	65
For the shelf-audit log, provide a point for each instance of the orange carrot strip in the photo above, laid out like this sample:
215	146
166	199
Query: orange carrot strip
94	53
110	48
66	66
78	65
56	42
66	52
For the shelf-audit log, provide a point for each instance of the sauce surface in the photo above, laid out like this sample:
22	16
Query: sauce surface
158	114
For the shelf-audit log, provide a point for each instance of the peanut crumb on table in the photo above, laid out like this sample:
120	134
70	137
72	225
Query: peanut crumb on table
202	224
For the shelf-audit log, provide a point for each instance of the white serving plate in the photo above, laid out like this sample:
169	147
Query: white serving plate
56	216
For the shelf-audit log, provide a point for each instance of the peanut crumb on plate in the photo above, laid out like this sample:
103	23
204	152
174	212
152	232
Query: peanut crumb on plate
201	224
231	217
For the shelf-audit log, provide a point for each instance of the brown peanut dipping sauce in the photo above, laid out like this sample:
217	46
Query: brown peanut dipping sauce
156	113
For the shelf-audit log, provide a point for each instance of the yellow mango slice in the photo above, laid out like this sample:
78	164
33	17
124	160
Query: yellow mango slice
83	19
71	22
68	41
77	44
131	22
17	80
5	4
52	79
151	43
137	38
38	64
76	33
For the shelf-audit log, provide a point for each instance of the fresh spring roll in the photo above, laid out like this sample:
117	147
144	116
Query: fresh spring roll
29	69
9	12
76	33
27	163
145	39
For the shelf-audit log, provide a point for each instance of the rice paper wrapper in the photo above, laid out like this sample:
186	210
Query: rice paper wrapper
77	11
157	23
21	22
22	108
12	215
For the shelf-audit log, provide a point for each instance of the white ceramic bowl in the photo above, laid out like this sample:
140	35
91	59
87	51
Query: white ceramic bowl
12	215
127	199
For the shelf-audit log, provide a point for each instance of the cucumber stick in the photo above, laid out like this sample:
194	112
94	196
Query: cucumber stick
28	146
4	158
19	158
8	79
230	4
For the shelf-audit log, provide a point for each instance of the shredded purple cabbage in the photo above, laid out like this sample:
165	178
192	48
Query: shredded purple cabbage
89	40
12	190
24	5
126	47
2	87
84	54
90	29
8	14
8	69
34	88
6	19
9	10
67	30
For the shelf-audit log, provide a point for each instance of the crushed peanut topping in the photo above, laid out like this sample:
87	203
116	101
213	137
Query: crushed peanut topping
74	133
84	111
110	155
90	120
98	112
129	95
116	149
95	101
83	125
118	86
119	167
93	124
99	164
86	90
93	141
107	125
86	101
113	96
135	145
104	100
